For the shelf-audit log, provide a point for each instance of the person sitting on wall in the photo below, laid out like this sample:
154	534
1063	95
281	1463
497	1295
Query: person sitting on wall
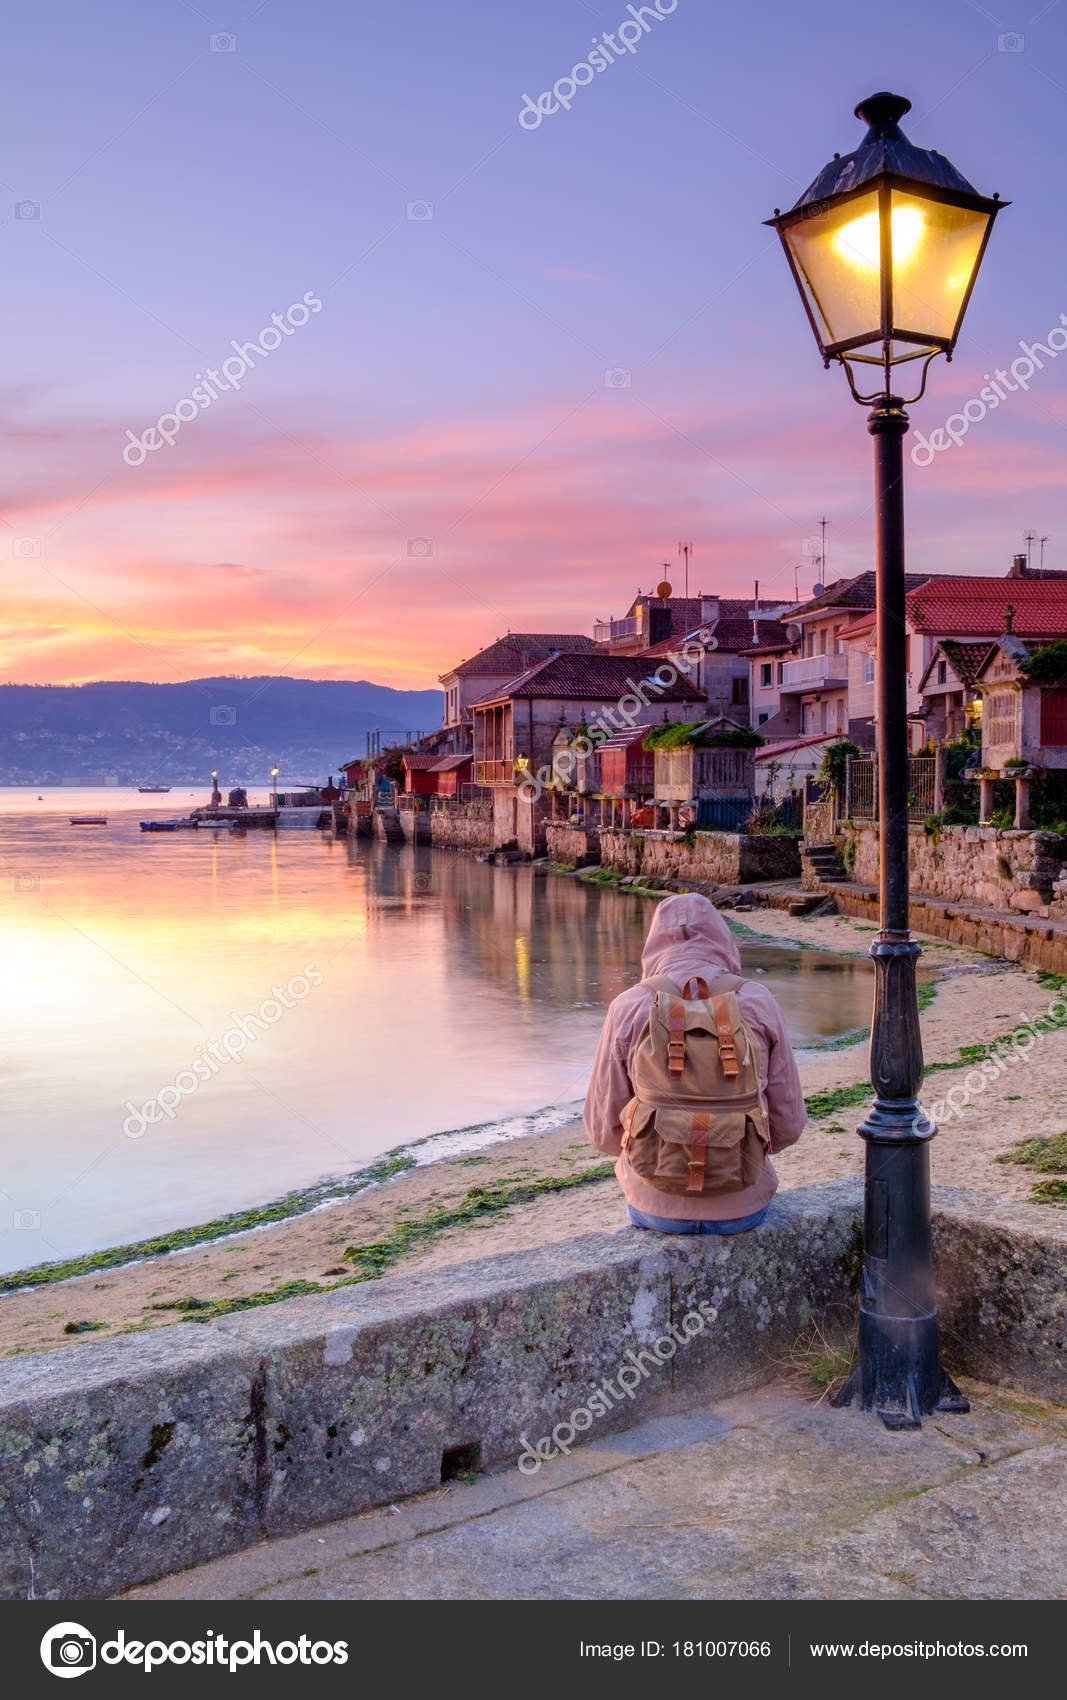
694	1084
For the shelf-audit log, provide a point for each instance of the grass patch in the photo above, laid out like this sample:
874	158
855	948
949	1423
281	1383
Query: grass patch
369	1261
480	1201
838	1098
237	1222
1050	1192
81	1327
822	1356
1047	1156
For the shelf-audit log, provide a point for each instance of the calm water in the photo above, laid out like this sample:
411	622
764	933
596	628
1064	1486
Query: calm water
449	994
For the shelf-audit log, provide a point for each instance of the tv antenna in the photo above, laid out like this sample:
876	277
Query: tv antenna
1042	541
1029	538
686	549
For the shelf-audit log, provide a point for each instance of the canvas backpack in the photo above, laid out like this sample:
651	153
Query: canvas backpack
697	1123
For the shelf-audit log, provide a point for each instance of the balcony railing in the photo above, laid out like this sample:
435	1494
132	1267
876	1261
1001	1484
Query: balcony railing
494	772
606	631
811	672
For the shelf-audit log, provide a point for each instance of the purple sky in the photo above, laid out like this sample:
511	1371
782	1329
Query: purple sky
436	454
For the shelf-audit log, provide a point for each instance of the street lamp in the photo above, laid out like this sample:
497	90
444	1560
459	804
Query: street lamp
274	788
884	247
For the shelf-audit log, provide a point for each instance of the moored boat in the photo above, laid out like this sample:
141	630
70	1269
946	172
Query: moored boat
144	789
88	820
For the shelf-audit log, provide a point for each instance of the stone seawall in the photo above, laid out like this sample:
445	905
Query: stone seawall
722	858
572	846
1021	870
126	1459
461	832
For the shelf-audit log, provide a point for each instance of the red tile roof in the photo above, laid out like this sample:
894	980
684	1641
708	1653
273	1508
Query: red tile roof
769	751
516	651
419	763
977	607
448	764
966	658
591	678
855	592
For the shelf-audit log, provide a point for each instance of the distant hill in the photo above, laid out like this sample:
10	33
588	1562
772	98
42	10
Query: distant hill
173	734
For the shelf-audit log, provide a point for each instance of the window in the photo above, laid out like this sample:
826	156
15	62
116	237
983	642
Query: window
822	641
740	692
763	716
999	727
942	672
765	675
867	670
781	671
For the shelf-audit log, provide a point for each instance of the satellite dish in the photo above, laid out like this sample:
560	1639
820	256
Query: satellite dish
792	632
817	589
663	590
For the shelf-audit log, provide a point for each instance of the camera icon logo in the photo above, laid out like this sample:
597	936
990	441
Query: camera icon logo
223	715
26	882
1011	42
26	547
223	43
67	1649
27	209
420	209
421	548
617	378
423	882
27	1219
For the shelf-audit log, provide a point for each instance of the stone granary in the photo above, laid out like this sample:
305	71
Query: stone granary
1023	688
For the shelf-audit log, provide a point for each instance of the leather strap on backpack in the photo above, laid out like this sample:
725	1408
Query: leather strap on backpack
675	1037
720	1009
698	1151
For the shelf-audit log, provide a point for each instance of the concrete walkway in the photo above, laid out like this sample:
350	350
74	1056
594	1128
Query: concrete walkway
763	1496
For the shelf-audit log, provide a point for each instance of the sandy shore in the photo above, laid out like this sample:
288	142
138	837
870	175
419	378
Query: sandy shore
977	1001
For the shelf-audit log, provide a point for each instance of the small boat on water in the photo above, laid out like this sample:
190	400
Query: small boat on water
144	789
88	820
166	825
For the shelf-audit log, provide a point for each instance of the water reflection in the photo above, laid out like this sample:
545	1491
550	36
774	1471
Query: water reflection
453	993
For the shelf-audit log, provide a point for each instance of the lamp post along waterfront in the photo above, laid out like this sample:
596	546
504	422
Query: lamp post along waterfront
884	247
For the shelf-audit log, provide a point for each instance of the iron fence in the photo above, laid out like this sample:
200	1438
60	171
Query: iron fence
724	814
861	788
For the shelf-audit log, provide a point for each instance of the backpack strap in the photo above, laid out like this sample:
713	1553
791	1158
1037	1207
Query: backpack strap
724	1029
698	1151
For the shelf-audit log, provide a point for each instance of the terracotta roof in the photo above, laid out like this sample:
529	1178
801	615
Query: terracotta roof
769	751
448	764
977	607
966	658
623	740
783	647
419	763
732	630
586	678
518	650
855	592
856	628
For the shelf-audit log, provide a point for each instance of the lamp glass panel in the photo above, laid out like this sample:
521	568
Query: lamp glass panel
935	252
837	254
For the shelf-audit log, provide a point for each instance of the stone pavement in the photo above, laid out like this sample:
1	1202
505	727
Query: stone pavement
765	1495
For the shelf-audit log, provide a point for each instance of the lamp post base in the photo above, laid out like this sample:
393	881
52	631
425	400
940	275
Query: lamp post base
898	1373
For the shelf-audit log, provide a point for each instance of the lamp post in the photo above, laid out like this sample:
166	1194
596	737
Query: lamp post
216	794
884	247
274	788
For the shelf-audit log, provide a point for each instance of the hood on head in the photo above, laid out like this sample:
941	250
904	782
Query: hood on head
689	936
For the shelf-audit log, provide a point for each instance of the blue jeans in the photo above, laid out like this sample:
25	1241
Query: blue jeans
669	1225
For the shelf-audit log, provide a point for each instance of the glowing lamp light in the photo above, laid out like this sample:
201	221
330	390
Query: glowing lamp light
885	246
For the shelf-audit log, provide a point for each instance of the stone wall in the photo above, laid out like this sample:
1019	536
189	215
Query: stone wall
461	831
1020	870
721	858
572	846
126	1459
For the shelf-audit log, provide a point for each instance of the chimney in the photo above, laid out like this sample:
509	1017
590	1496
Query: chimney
1018	566
709	610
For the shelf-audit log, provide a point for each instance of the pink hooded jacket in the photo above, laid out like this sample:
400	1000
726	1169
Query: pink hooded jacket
689	936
